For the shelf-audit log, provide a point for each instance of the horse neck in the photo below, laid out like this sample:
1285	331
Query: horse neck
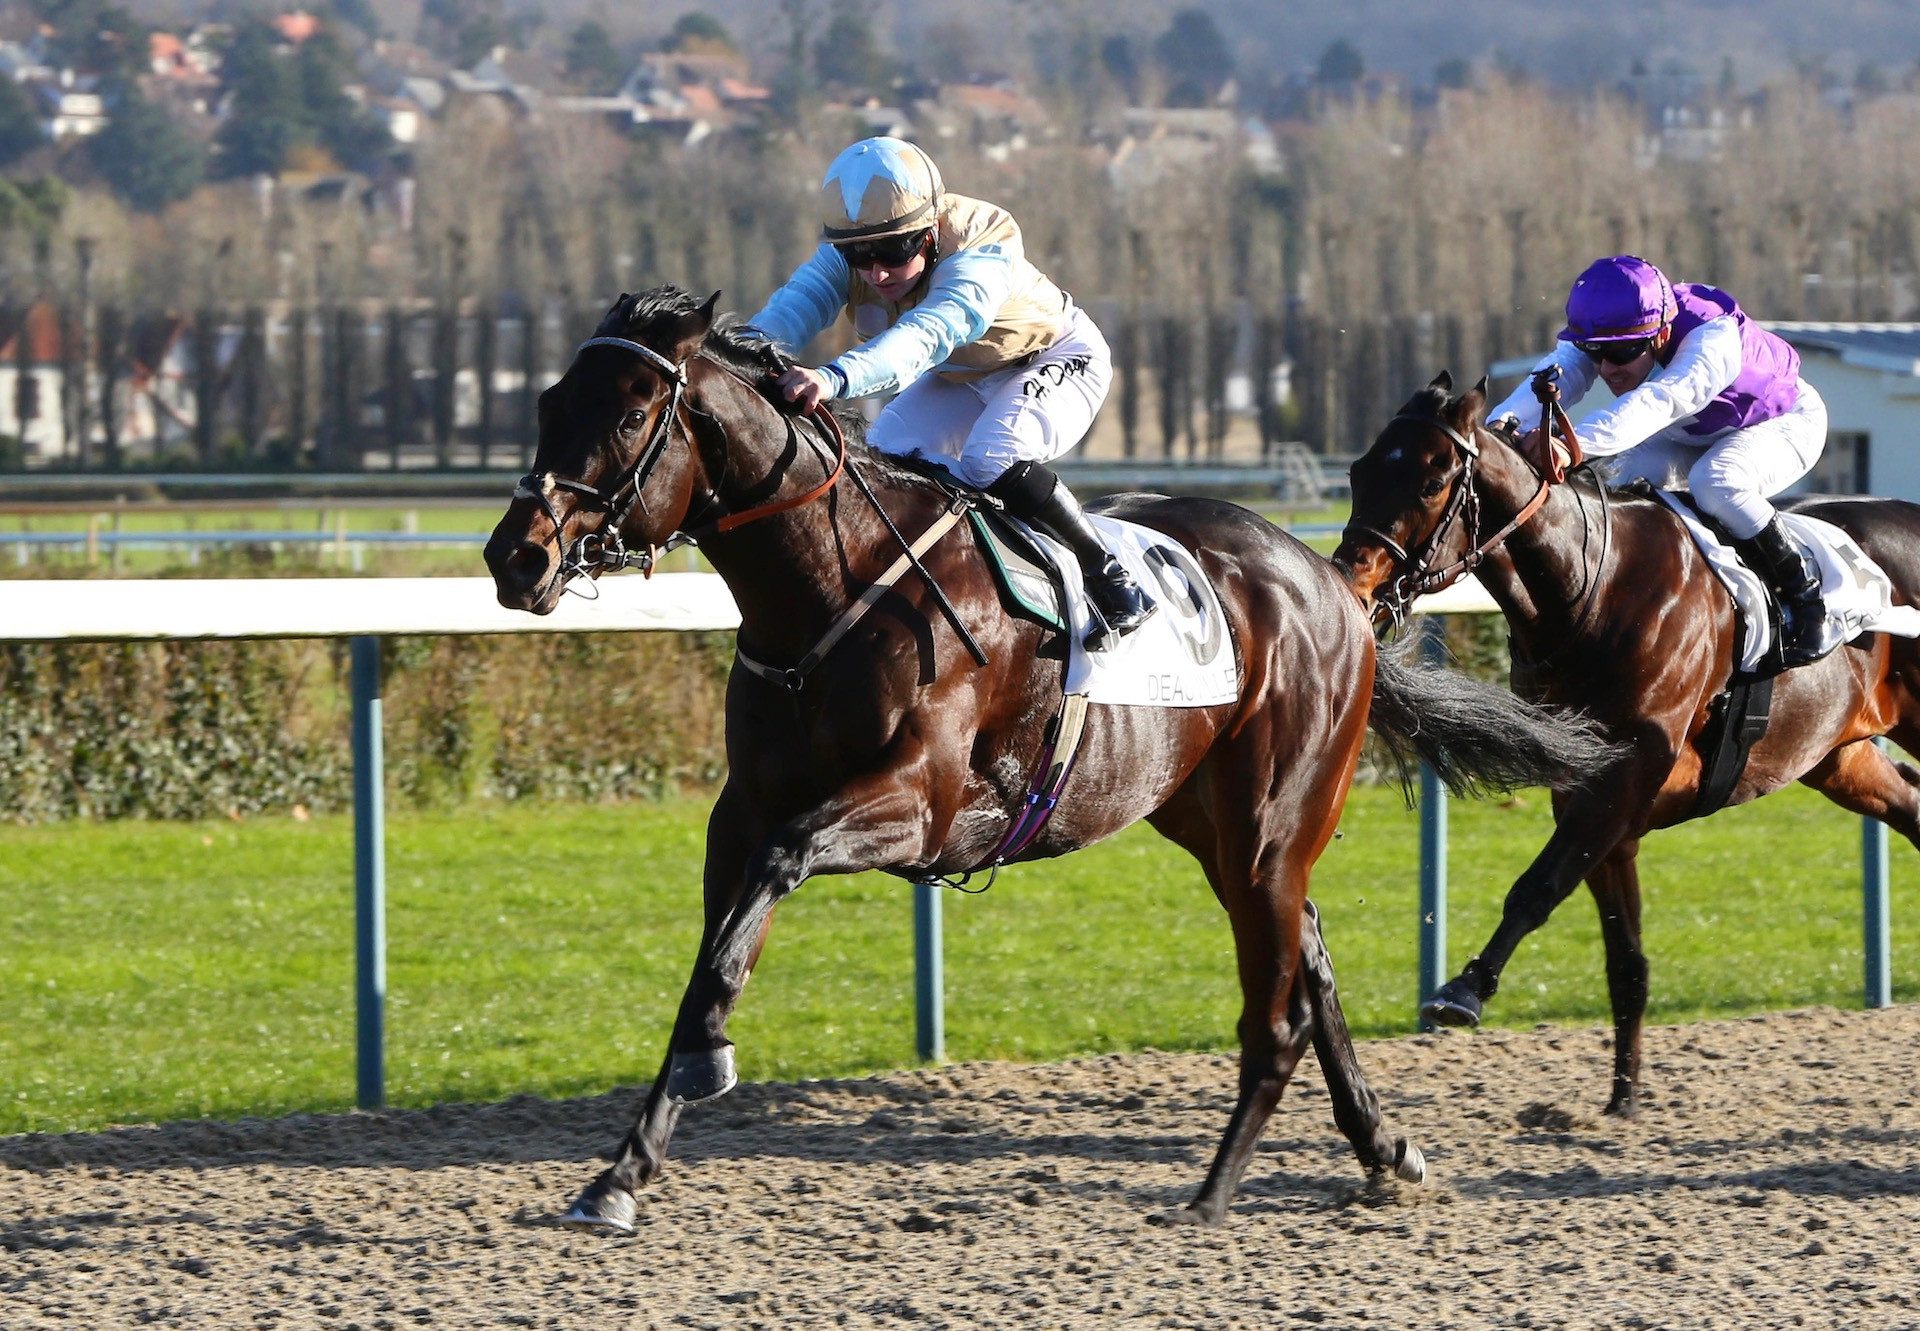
793	572
1542	571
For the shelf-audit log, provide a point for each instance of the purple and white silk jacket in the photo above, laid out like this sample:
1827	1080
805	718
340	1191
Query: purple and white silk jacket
1726	373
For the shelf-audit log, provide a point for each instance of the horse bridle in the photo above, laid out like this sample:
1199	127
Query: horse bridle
1415	577
603	550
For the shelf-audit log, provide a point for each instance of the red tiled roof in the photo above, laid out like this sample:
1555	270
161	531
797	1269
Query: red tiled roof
700	99
42	324
297	26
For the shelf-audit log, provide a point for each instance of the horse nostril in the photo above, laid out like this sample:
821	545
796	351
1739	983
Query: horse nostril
526	567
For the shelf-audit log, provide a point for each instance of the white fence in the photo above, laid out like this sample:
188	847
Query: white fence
367	609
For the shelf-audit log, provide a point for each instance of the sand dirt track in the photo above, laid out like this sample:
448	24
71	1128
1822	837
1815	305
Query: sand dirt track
1773	1181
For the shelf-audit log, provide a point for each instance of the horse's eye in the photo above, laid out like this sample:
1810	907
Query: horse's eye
632	421
1431	490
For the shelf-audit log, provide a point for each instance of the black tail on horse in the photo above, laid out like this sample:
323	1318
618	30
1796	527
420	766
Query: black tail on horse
1478	739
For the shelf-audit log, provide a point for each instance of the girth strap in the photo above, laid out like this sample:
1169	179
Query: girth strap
1045	785
792	679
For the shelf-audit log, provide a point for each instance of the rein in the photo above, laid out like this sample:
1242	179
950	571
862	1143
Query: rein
603	551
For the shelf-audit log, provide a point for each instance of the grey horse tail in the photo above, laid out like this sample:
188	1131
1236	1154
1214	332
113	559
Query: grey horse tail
1478	738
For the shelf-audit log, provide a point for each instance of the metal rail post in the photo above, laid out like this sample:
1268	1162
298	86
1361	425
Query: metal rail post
929	1002
369	876
1433	855
1876	913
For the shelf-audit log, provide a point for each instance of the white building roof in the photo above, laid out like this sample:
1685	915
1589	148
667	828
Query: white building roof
1893	347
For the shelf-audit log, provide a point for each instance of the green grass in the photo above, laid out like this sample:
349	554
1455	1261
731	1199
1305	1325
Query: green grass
158	971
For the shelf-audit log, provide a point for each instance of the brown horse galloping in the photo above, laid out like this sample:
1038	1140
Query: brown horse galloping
1614	610
901	752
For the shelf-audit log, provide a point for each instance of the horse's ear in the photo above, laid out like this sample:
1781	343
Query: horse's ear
1472	405
1442	381
690	329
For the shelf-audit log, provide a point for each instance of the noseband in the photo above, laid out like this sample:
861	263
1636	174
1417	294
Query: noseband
602	550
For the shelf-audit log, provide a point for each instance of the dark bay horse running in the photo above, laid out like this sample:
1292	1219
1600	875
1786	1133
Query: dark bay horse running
901	752
1614	610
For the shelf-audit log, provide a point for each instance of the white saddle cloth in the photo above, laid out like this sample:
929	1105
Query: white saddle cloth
1856	593
1181	657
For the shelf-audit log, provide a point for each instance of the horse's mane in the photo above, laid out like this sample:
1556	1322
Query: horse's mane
752	355
747	351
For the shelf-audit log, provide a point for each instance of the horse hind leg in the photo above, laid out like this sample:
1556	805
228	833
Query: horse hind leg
1356	1110
1863	779
1274	1036
1615	883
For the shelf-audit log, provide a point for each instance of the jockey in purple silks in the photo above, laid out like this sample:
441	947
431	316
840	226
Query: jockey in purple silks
998	372
1705	396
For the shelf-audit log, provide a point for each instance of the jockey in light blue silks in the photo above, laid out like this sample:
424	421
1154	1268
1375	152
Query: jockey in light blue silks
1705	396
998	371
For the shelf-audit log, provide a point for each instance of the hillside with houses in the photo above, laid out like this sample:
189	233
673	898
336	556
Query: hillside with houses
297	235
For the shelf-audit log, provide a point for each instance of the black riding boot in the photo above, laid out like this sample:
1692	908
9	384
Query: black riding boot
1796	580
1034	494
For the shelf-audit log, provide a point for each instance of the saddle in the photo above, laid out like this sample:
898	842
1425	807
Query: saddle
1738	715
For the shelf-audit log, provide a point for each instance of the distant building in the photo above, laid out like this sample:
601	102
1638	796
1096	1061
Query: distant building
22	63
32	384
995	119
1869	374
70	108
1156	145
685	97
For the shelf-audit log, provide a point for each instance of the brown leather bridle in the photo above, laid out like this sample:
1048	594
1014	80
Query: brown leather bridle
602	550
1416	577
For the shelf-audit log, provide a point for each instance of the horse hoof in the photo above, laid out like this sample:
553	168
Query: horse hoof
1188	1217
1452	1004
701	1076
605	1207
1409	1166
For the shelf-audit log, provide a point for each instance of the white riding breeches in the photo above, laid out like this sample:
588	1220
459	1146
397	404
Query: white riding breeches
980	427
1731	474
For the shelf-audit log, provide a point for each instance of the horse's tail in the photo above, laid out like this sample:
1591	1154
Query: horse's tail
1478	738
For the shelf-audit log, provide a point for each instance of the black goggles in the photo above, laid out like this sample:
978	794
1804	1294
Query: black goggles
1617	353
884	252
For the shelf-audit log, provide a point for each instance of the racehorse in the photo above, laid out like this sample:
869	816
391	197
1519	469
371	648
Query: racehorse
1612	609
898	749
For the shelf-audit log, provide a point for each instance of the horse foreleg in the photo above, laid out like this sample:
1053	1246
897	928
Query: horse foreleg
1356	1110
1616	891
875	822
871	823
609	1202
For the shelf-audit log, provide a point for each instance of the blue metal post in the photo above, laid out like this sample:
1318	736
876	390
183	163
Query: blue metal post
1876	912
1433	858
929	1016
369	876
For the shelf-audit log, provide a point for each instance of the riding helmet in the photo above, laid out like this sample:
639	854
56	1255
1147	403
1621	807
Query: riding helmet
1618	299
879	187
